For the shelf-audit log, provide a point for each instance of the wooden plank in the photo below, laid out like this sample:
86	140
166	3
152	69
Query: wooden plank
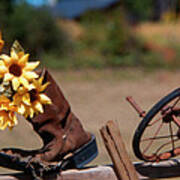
92	173
146	170
96	173
114	144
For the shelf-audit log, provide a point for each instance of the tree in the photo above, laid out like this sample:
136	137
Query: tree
6	9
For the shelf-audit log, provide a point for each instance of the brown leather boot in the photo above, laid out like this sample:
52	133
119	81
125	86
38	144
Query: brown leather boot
60	130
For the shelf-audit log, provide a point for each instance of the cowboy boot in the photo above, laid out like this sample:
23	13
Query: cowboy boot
58	127
60	130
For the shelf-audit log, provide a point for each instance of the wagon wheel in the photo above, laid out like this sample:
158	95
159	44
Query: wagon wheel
158	134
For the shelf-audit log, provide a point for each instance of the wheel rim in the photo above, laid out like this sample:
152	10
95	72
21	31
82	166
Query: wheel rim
158	135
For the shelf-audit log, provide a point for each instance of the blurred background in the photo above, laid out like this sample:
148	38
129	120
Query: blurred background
99	51
95	33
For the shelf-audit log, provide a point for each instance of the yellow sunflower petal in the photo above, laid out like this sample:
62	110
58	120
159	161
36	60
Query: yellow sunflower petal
15	120
38	106
23	60
26	99
3	68
1	44
24	82
44	99
12	121
2	62
14	55
6	59
26	114
1	41
3	126
12	107
31	113
21	109
8	77
16	99
12	117
40	80
15	83
30	75
37	84
21	90
4	107
4	99
44	86
20	54
31	65
31	86
3	123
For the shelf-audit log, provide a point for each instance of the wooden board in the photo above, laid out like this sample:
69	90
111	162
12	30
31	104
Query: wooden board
93	173
165	169
115	146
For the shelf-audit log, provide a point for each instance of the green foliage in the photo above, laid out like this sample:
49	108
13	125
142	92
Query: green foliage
53	61
35	29
6	9
142	10
107	39
152	60
118	38
107	31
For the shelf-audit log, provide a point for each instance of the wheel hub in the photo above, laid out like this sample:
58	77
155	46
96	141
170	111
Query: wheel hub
167	113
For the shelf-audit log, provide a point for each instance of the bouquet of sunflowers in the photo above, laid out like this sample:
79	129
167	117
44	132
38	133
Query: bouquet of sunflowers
21	88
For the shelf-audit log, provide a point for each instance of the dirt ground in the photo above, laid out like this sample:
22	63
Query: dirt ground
99	96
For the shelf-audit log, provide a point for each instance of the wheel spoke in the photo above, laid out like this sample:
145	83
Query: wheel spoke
171	134
165	144
176	120
159	142
175	103
151	141
155	121
158	137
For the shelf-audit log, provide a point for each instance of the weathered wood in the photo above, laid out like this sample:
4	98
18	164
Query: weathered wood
96	173
114	144
93	173
165	169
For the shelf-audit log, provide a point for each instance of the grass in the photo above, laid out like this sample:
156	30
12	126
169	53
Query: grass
160	33
103	43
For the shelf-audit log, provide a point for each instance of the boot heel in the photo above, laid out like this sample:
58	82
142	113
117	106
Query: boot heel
82	156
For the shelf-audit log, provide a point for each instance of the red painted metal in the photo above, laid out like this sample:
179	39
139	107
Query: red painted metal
176	120
169	115
136	106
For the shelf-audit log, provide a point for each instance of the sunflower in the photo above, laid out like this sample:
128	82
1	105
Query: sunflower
17	69
7	113
1	42
31	101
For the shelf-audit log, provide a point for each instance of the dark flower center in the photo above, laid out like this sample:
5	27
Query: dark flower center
33	95
15	69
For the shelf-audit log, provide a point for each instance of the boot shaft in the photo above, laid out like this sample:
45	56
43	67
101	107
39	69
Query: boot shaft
60	130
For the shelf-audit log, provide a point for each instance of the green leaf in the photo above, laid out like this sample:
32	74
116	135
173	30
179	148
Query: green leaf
17	47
